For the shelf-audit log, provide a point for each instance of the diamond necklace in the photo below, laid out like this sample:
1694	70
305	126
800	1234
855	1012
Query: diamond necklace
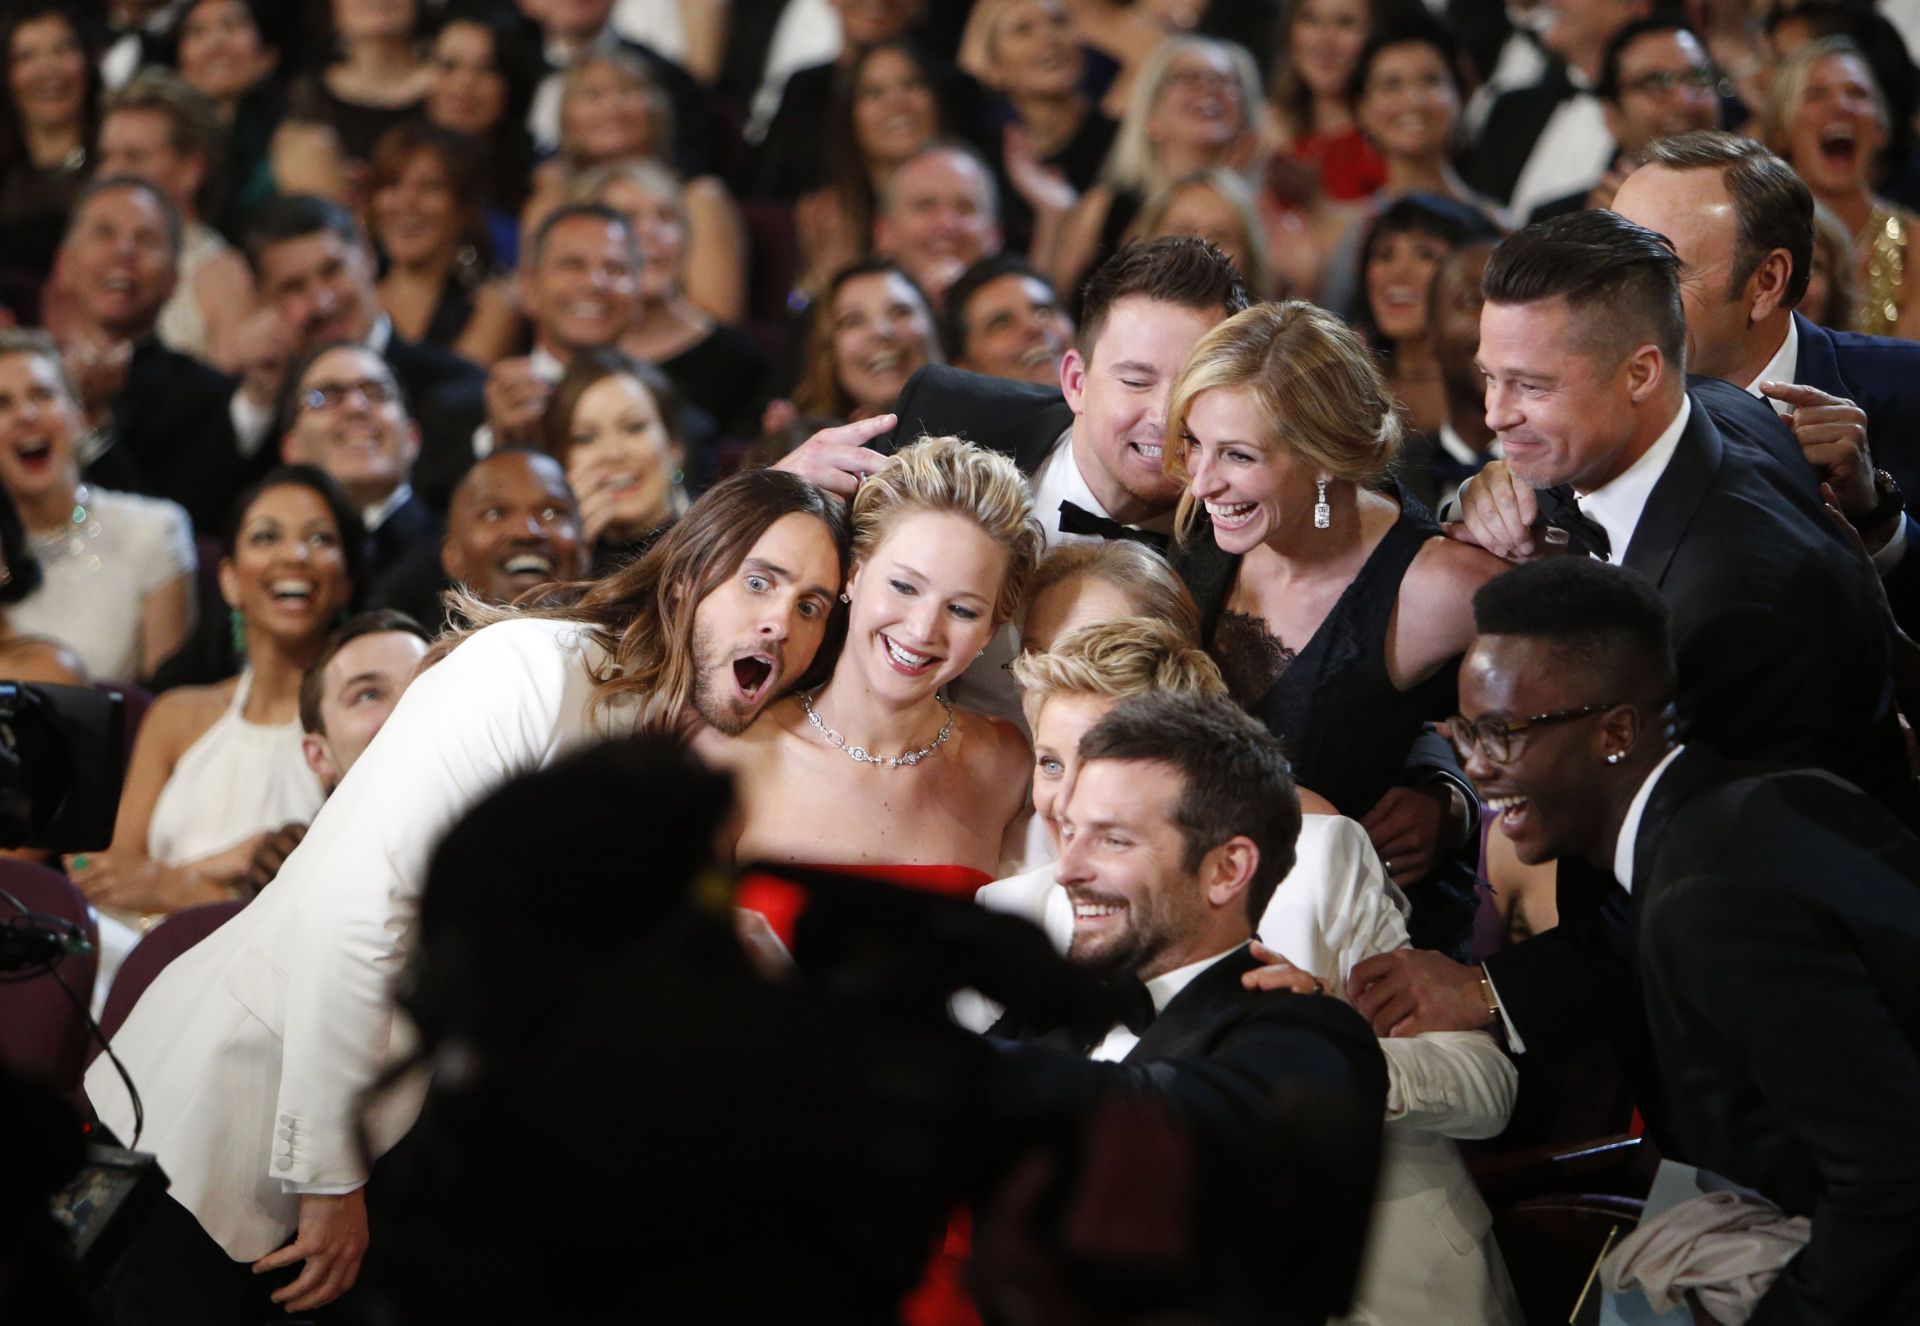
859	753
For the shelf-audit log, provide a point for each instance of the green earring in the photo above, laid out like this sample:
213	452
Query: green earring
238	626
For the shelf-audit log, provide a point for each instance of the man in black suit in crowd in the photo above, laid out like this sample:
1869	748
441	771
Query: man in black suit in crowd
1742	220
1775	926
316	277
1539	141
346	412
1778	630
1655	81
1180	823
160	418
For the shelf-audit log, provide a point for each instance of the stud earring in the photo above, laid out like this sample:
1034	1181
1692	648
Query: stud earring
1615	757
1322	513
845	597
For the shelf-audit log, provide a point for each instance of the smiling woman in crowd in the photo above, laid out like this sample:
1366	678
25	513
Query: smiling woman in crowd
117	567
614	422
876	769
218	767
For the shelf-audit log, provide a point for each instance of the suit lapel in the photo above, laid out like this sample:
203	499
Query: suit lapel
1675	788
1817	364
1671	504
1196	1010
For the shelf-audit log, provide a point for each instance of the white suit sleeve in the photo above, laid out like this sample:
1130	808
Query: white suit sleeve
489	710
1457	1083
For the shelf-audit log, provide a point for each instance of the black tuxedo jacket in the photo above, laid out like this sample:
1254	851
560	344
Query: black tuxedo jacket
409	528
446	395
1778	923
1290	1087
171	436
1016	419
1782	657
1514	124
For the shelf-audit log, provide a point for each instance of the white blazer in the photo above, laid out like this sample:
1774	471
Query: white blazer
252	1049
1430	1258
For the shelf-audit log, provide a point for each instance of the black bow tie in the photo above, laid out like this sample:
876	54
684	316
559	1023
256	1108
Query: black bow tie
1134	1003
1076	519
1582	533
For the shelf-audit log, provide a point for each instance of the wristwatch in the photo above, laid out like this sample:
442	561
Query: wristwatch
1891	504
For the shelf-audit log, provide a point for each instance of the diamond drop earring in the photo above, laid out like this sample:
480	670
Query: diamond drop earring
1322	513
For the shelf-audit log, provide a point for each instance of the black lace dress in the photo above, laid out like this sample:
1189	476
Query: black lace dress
1346	727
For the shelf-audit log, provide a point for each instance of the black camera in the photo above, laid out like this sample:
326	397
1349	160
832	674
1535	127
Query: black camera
62	757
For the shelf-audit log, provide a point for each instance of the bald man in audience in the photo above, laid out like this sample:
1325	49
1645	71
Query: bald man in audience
939	215
346	695
513	524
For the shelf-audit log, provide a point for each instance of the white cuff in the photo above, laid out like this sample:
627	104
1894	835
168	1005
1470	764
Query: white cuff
321	1189
1514	1043
1889	555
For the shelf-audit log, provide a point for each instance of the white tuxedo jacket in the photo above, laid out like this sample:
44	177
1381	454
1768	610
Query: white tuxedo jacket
1430	1258
251	1050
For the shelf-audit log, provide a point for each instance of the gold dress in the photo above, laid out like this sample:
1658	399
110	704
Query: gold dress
1883	245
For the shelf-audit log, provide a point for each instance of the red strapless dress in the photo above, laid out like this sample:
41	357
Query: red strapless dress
781	902
942	1298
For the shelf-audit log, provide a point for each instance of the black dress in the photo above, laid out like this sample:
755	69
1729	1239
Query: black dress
1346	727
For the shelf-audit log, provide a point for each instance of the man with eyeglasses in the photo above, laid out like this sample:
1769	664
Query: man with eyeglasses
1779	633
1655	82
345	413
1770	916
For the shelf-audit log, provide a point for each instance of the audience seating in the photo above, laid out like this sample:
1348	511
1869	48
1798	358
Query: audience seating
1553	1246
43	1031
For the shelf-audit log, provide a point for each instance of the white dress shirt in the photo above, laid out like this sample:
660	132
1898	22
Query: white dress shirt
1573	150
1783	367
1617	505
1120	1041
1630	826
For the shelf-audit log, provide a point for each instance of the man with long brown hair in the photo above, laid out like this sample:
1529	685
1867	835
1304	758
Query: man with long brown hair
251	1052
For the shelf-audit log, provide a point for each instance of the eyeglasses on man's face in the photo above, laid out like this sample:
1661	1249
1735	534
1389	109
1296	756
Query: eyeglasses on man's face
375	392
1659	82
1502	742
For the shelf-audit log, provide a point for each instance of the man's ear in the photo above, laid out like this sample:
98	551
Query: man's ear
1769	285
289	448
1227	871
1073	380
1620	730
450	559
313	747
410	444
1647	368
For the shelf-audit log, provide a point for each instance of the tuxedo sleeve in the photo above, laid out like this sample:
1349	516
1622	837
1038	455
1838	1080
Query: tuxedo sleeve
1574	981
489	710
1757	978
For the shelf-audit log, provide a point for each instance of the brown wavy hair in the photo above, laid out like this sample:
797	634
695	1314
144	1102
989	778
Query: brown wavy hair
642	614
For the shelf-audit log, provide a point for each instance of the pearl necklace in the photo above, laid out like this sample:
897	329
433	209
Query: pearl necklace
860	755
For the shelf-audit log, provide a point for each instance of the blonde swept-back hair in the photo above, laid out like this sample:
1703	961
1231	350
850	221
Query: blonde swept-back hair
1132	161
1789	87
1118	660
949	474
1311	380
1153	588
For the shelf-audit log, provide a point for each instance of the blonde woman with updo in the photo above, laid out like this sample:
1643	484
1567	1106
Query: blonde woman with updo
876	769
1431	1259
1335	608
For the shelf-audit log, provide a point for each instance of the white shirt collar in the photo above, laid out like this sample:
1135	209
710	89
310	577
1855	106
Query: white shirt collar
1617	505
380	335
1630	826
1059	479
546	365
1783	367
376	515
1165	986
